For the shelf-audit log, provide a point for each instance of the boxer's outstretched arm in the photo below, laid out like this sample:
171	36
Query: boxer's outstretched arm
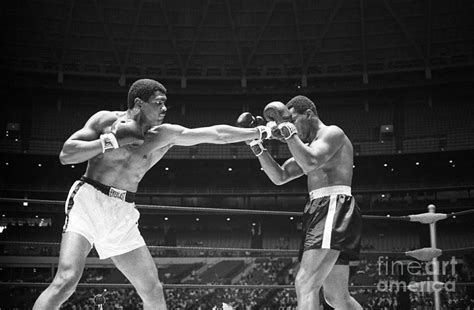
279	175
169	134
84	144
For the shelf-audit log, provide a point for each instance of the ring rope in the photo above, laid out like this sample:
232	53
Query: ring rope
223	249
190	286
248	211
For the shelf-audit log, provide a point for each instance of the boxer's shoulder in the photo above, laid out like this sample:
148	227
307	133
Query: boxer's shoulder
163	135
332	131
104	118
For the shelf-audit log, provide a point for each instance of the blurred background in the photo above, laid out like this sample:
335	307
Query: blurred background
395	75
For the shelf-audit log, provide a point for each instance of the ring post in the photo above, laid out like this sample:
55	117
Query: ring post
437	300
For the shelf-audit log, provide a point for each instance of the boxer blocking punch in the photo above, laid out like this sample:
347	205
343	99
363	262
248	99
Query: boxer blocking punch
247	120
331	218
120	147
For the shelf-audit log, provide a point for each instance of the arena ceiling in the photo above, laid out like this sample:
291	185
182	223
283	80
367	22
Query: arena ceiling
236	39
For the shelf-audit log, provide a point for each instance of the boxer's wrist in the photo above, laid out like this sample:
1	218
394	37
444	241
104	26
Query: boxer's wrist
257	147
265	132
287	130
109	142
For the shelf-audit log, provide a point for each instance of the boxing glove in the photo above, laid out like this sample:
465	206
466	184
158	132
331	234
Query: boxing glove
123	132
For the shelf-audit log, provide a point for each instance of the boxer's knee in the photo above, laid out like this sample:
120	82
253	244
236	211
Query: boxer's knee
65	281
151	289
306	283
340	300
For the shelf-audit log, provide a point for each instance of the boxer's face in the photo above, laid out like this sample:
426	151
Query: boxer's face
155	108
302	123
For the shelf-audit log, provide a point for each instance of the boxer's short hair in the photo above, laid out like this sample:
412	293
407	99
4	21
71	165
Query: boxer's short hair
143	89
301	104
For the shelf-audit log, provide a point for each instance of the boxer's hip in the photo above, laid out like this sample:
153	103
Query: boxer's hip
332	220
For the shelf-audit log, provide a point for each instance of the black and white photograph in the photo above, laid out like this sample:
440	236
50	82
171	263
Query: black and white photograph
237	155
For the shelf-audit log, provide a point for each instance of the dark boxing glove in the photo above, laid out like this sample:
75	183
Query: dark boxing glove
247	120
287	130
276	112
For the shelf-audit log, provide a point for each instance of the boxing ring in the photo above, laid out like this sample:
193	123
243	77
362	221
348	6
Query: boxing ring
427	254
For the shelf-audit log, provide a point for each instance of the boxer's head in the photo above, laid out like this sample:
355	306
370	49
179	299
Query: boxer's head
149	96
303	112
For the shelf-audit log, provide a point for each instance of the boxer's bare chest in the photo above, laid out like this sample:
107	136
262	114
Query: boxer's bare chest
124	167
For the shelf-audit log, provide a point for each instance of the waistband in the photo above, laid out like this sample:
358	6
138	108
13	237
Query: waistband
330	190
111	191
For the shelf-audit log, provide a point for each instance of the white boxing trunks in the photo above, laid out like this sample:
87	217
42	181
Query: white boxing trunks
105	216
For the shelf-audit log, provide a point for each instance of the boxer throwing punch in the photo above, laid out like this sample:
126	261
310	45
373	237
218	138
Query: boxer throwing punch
331	218
120	147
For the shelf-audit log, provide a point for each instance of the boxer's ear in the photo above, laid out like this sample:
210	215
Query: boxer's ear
138	103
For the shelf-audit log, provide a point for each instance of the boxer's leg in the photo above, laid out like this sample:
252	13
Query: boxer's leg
315	266
138	266
336	291
72	258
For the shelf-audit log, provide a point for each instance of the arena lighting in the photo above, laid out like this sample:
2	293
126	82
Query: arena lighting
392	169
25	203
291	218
453	165
450	161
166	218
230	169
197	219
385	165
3	215
228	219
72	166
383	195
353	166
40	165
36	216
417	163
166	168
261	169
7	163
253	224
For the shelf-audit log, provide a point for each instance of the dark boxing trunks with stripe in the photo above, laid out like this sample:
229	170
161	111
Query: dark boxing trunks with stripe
332	220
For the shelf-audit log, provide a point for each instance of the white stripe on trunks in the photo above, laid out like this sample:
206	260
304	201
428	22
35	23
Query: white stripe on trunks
328	223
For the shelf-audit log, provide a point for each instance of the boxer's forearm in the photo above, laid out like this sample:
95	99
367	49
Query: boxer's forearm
302	154
271	168
223	134
76	151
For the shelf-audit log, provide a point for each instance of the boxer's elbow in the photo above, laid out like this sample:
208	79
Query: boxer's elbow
278	179
67	156
278	182
310	165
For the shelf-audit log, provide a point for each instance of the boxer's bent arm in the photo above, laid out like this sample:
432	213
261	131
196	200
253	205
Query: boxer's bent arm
319	152
84	144
279	175
219	134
